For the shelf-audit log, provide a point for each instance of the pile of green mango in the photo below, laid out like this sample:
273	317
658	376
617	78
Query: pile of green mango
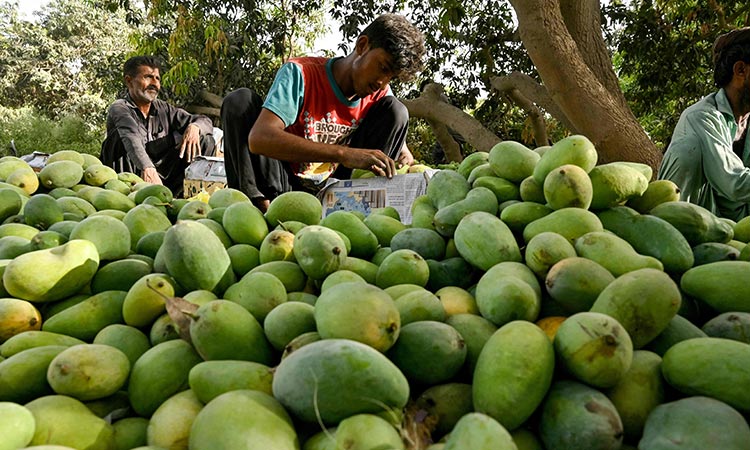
538	300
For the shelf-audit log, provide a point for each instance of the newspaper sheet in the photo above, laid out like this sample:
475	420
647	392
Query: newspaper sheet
366	194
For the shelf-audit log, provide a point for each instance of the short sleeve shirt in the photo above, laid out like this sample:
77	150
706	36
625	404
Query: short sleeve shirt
305	96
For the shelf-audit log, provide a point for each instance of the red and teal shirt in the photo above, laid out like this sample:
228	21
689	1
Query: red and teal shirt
307	99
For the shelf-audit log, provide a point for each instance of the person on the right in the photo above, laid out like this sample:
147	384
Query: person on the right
709	155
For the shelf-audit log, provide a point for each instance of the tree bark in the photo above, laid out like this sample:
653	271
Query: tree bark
431	107
588	104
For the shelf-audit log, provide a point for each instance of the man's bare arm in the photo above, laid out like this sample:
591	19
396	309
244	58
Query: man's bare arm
268	138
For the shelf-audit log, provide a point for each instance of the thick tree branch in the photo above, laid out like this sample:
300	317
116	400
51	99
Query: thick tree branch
211	98
538	123
583	20
205	110
584	100
431	107
450	147
533	91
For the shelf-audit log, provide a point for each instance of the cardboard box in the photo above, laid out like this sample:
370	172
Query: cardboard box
204	173
365	194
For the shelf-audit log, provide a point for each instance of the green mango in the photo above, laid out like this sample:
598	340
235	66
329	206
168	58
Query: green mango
696	423
477	199
65	421
365	269
423	213
98	174
130	432
129	340
144	219
364	242
157	190
290	274
290	319
594	348
196	258
52	274
169	426
503	189
119	275
41	211
245	224
479	431
638	392
210	379
679	329
111	236
319	251
476	331
545	250
428	352
35	338
568	186
257	292
159	373
88	371
482	170
657	192
710	367
575	416
332	379
384	227
517	347
575	283
17	426
720	284
10	203
61	173
144	301
571	223
575	149
223	329
613	253
402	267
226	196
250	416
447	187
23	376
85	319
66	155
300	206
732	325
483	240
512	160
106	199
696	223
447	403
615	183
471	161
643	301
650	236
366	431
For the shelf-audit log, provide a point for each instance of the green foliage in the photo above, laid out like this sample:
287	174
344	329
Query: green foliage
220	46
67	62
664	55
31	131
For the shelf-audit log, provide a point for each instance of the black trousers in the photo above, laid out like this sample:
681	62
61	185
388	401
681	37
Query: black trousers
164	153
383	128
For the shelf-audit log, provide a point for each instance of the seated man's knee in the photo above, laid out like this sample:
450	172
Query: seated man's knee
397	109
238	101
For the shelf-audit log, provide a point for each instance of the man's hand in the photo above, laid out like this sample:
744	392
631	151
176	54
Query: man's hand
191	143
150	175
373	160
405	158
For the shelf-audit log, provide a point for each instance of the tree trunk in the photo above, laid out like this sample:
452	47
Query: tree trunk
583	94
431	107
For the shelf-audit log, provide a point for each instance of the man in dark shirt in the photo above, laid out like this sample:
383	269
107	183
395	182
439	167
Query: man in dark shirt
150	137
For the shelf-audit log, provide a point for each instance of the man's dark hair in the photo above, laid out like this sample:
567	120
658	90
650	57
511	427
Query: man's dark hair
400	39
728	49
131	65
